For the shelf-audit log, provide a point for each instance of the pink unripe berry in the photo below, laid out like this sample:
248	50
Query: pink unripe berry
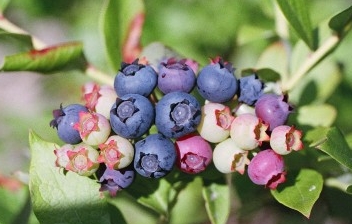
284	139
267	168
248	131
194	154
229	158
215	123
83	160
93	128
117	152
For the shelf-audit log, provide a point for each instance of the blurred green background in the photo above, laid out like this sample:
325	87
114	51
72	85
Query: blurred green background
237	30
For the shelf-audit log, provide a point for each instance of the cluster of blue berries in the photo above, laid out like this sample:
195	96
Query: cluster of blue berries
194	120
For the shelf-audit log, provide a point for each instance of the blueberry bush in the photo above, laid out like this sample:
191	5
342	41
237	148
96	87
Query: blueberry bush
176	111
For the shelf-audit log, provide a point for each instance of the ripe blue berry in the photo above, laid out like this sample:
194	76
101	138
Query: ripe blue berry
135	78
154	156
216	82
273	109
175	76
131	116
64	121
116	180
177	114
250	89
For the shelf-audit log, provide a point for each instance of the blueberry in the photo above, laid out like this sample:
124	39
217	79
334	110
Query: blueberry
216	82
155	156
273	109
65	120
177	114
175	76
116	180
250	89
131	116
135	78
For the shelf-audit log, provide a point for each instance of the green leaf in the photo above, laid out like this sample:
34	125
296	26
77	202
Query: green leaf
60	198
275	57
115	20
300	191
332	142
3	5
51	59
23	40
297	14
11	203
316	115
342	22
217	202
265	74
160	199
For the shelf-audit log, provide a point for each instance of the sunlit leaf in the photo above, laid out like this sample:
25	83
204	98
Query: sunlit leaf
60	198
332	142
116	18
51	59
316	115
300	191
342	22
297	14
217	202
276	58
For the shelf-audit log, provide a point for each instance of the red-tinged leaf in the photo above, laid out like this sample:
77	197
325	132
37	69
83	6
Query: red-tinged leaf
51	59
132	46
116	22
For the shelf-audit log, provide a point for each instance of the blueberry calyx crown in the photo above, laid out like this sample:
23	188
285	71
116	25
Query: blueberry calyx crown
125	109
129	69
57	114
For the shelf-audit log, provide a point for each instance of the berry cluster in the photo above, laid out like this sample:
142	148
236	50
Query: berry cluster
124	129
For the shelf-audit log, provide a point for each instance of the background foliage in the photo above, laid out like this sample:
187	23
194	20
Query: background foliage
251	34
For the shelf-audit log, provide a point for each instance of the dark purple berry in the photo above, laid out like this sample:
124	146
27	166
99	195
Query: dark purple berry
65	120
175	76
216	82
116	180
135	78
273	109
177	114
155	156
250	89
131	116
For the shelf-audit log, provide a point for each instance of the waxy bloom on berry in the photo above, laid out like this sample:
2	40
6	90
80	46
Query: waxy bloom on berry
267	168
215	122
284	139
93	128
194	154
248	131
83	160
273	109
117	152
99	98
229	158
